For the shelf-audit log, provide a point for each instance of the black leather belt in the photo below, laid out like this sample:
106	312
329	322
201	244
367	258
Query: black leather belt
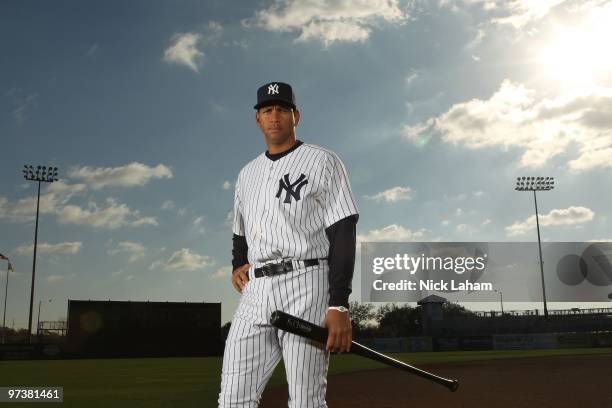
282	267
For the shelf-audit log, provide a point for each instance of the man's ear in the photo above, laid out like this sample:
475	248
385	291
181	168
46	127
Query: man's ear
296	116
257	119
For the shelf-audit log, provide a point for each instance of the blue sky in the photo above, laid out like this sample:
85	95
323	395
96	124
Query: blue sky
146	108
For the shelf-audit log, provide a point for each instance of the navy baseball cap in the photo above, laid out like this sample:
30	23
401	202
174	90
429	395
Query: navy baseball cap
275	93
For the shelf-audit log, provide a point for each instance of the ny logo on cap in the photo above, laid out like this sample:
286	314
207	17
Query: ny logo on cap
285	184
272	89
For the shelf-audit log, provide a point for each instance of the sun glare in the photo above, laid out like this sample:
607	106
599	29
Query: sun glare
580	55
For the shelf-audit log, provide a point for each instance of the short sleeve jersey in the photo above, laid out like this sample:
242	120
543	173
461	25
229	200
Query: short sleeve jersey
283	206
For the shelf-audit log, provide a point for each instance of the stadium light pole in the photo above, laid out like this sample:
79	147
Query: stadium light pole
501	300
47	175
537	184
9	268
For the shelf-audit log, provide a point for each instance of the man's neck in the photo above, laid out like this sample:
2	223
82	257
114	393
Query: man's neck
275	149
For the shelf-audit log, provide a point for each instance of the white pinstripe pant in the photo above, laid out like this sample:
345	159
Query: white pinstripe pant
254	347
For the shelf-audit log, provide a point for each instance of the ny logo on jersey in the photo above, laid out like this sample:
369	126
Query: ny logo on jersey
285	184
272	89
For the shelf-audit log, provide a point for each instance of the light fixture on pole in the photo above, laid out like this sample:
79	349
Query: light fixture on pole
537	184
40	174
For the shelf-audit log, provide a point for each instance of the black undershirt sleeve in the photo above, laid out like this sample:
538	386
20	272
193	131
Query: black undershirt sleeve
240	251
341	258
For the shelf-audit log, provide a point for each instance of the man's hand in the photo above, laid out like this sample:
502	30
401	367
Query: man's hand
340	332
240	277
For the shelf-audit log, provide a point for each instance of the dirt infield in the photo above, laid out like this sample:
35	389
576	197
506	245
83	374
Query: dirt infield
573	381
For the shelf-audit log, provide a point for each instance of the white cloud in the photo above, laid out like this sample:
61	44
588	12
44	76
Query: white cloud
198	222
477	40
113	216
167	205
222	272
445	222
517	13
213	33
543	128
462	227
411	77
565	216
391	233
135	249
60	187
332	31
327	21
59	278
130	175
55	199
23	102
183	260
466	230
393	195
52	198
187	49
184	50
45	248
522	12
227	185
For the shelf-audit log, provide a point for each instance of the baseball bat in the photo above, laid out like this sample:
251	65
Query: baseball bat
300	327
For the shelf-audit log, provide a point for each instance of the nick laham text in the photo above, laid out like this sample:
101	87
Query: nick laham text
431	284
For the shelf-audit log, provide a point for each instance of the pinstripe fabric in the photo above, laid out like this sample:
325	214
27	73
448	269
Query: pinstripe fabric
254	347
282	207
295	230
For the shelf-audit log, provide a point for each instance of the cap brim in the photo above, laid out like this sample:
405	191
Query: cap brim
274	102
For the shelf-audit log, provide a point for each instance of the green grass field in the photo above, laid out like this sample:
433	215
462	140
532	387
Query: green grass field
191	382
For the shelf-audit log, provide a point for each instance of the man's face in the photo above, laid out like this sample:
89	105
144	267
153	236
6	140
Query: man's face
277	122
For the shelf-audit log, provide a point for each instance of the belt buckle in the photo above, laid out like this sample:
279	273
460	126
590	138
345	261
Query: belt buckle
268	271
287	265
273	269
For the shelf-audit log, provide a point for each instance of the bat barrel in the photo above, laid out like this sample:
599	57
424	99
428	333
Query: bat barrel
317	333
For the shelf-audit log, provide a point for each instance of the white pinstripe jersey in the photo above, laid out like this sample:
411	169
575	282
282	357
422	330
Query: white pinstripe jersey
284	206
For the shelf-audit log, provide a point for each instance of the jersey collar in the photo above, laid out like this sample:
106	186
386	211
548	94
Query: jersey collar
277	156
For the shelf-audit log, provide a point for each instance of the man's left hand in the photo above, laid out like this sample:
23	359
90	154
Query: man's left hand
340	332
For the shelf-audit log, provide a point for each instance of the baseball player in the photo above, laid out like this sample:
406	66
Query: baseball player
294	251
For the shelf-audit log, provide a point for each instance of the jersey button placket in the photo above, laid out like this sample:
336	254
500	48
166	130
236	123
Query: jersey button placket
271	171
